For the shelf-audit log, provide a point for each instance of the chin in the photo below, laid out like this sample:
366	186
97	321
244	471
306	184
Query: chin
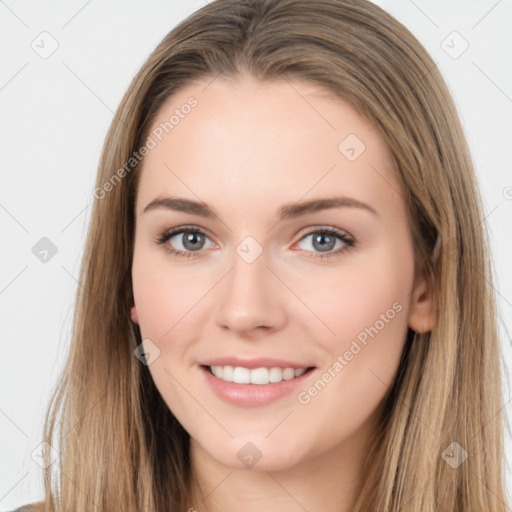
255	454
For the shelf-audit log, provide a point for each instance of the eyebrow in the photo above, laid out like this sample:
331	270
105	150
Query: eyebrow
287	211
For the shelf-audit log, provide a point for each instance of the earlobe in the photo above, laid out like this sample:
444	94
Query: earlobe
134	315
421	311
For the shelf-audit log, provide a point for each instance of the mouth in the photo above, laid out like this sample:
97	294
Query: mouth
259	376
255	381
255	387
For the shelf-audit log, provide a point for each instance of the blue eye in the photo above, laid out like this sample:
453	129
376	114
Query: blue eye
193	241
324	240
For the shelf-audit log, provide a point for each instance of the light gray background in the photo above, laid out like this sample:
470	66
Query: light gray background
55	113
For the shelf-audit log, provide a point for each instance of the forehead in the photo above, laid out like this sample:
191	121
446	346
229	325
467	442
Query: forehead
265	142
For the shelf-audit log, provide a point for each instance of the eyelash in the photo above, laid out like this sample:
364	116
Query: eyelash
166	235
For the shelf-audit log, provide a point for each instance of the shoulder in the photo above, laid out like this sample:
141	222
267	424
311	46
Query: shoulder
25	508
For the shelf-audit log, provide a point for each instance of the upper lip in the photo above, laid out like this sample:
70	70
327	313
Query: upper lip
251	363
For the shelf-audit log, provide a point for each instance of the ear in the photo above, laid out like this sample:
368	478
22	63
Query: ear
421	306
135	316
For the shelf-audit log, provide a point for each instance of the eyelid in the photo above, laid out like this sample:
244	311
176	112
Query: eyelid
185	227
170	233
340	234
326	228
308	231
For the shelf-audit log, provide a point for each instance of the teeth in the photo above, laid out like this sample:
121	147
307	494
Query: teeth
241	375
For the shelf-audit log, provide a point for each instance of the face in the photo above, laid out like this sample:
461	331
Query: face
267	277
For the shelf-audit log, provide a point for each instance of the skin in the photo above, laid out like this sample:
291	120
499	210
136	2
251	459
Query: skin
247	149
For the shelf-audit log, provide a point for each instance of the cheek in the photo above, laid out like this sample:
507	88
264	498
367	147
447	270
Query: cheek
363	313
163	295
368	314
164	299
356	297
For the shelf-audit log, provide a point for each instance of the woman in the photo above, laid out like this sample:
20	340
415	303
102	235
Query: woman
253	371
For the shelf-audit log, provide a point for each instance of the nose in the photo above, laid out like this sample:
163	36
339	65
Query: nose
251	298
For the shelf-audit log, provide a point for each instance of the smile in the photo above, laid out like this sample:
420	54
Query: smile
254	387
260	376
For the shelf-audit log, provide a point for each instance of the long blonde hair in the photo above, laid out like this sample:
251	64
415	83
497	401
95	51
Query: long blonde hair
120	446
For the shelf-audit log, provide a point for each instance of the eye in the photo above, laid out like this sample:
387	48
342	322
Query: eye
325	240
192	241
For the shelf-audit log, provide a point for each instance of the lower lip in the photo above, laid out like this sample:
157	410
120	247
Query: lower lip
253	395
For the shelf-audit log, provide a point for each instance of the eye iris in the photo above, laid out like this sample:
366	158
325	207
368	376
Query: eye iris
320	238
191	237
